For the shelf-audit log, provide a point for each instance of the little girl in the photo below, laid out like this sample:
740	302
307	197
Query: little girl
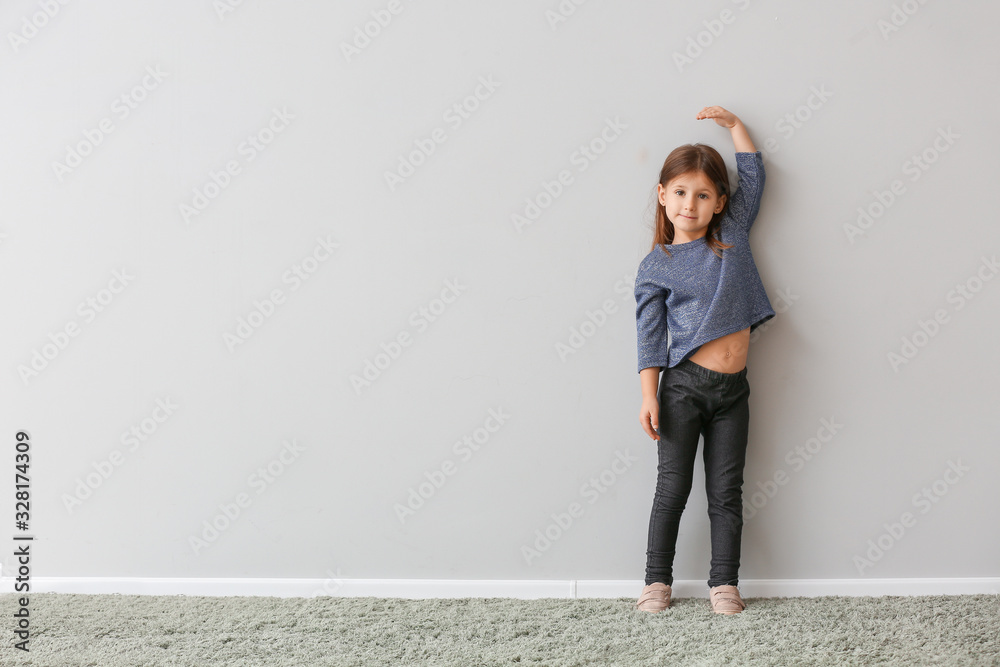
700	283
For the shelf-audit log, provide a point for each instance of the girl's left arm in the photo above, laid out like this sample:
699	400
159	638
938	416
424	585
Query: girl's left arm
727	119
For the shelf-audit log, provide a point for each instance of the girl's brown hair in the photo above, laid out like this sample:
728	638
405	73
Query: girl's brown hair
682	160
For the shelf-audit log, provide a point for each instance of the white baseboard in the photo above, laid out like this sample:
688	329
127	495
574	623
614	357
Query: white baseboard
496	588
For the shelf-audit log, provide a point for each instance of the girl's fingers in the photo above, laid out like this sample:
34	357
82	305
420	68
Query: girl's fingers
649	427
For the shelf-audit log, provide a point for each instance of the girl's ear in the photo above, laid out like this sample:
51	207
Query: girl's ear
722	202
660	193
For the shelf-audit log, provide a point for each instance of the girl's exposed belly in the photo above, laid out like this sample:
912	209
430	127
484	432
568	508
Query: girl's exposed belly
727	354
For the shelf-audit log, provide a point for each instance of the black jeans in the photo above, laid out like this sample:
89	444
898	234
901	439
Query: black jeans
695	400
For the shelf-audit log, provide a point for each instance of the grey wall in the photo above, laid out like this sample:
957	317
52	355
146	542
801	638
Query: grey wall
344	458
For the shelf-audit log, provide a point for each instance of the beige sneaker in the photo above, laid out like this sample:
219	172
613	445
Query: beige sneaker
726	600
654	598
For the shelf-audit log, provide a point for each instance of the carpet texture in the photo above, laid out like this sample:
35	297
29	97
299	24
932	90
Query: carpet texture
115	630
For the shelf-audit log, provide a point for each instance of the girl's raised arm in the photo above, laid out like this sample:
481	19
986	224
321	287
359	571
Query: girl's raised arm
727	119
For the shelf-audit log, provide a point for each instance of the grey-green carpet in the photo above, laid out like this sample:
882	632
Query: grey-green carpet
113	630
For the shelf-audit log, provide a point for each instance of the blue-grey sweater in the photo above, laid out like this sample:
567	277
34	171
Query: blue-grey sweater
696	295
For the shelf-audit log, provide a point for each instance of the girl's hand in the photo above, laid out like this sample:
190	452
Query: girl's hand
741	140
649	416
724	118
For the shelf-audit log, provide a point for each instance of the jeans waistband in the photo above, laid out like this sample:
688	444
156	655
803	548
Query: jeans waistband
716	376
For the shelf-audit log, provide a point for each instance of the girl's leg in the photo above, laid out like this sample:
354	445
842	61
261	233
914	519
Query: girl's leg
681	407
725	456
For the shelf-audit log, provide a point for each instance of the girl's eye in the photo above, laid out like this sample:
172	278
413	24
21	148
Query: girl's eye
704	196
679	193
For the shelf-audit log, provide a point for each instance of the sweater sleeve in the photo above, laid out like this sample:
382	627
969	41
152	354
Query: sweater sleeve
650	322
745	202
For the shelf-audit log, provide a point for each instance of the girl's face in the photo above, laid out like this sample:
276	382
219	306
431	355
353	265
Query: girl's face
690	200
